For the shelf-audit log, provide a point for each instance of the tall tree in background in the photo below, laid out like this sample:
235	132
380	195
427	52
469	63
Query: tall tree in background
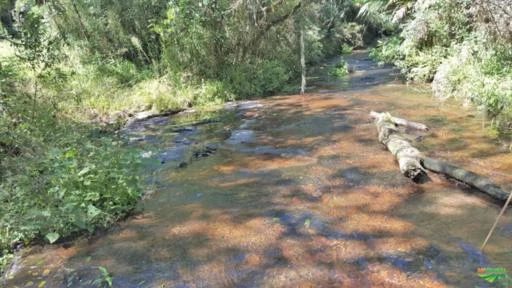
302	53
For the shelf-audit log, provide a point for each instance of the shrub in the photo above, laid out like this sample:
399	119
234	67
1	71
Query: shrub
257	79
346	49
57	177
340	69
480	74
74	185
387	50
212	93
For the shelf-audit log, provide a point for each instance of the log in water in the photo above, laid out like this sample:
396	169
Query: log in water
413	164
407	156
472	179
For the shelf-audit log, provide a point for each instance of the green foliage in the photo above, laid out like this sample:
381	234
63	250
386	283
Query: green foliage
479	73
212	93
40	48
346	49
377	12
56	177
443	41
77	184
122	71
351	34
111	29
341	69
422	66
387	50
224	43
426	39
106	278
256	79
5	258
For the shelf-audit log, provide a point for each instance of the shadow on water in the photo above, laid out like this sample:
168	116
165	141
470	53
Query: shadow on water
295	192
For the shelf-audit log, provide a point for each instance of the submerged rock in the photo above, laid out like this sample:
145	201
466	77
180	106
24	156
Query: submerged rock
173	154
240	136
243	105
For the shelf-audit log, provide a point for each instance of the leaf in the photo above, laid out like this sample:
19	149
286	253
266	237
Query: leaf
84	171
92	211
52	237
80	220
106	276
70	153
103	270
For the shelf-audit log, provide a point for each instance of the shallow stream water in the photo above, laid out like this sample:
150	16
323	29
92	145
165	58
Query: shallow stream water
296	191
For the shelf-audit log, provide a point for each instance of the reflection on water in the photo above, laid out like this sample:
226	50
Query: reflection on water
297	192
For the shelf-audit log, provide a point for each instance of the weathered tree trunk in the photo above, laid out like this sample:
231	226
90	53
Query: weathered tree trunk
302	62
465	176
402	122
406	155
413	164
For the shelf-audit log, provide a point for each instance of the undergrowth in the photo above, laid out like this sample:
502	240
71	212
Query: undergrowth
444	42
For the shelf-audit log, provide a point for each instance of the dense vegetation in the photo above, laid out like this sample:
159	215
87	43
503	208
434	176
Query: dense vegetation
464	47
72	72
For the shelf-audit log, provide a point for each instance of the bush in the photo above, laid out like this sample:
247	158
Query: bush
426	39
480	74
77	184
123	71
422	65
212	93
444	41
340	69
257	79
346	49
57	177
387	50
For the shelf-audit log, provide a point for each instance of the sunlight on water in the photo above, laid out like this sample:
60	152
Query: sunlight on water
307	198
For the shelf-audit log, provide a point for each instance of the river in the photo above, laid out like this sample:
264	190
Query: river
296	191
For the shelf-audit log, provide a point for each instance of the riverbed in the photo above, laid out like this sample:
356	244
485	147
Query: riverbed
296	191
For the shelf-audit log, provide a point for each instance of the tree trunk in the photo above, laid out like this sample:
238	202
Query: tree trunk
82	25
302	62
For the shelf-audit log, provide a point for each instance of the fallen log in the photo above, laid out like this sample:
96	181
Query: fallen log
414	165
472	179
401	122
406	155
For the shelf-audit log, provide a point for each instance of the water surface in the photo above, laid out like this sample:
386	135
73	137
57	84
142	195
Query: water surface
296	191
